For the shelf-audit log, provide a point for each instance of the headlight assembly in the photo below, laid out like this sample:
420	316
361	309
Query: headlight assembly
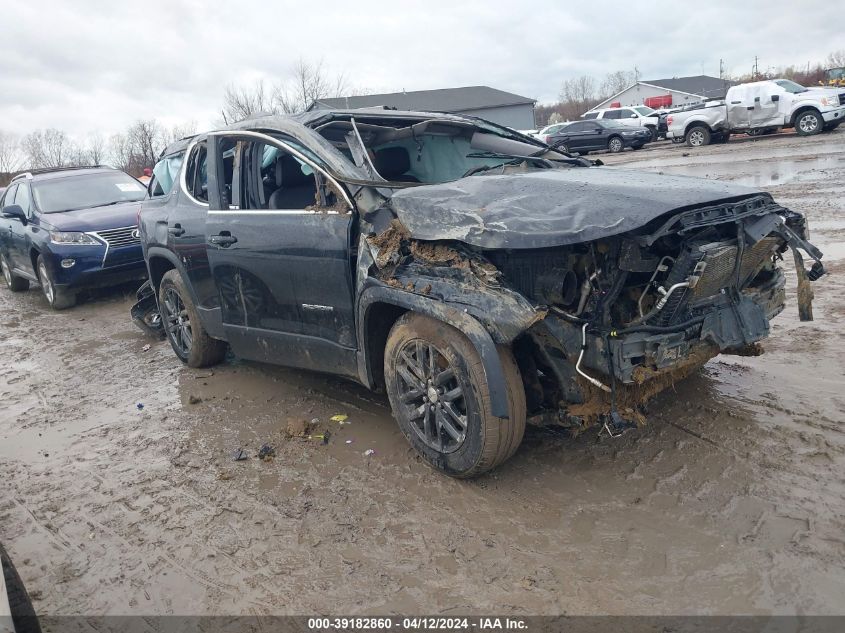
73	237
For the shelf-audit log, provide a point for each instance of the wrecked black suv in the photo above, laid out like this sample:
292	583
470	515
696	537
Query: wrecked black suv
478	276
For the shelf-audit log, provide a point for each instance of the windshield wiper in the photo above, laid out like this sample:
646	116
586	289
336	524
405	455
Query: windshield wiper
514	159
108	204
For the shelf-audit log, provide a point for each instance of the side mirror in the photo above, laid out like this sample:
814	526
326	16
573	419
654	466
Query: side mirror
775	98
14	211
633	115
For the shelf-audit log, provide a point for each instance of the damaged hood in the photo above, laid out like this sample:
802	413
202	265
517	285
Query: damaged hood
552	207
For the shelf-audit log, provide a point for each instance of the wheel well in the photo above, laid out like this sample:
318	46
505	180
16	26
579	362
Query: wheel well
613	136
697	124
800	111
33	257
158	267
380	320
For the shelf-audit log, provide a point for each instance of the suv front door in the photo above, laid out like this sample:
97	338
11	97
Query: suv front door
281	254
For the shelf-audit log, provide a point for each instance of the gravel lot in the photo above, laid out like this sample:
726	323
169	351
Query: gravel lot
730	500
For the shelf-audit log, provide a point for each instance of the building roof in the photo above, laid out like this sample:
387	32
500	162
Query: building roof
442	100
701	85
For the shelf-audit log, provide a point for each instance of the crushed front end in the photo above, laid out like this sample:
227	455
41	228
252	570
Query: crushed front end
630	315
599	327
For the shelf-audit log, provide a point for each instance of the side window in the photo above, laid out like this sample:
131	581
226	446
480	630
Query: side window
625	114
274	179
196	176
8	196
591	115
164	175
612	114
24	200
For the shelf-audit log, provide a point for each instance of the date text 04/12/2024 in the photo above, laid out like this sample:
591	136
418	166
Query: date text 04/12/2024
417	624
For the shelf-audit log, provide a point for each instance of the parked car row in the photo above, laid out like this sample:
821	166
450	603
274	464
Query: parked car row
759	107
478	276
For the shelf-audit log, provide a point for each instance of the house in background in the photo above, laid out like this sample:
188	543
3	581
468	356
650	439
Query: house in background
666	93
498	106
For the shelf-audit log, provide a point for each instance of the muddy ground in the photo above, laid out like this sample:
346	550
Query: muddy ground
730	500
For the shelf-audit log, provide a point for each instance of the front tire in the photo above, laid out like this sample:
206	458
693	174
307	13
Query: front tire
615	145
57	298
14	283
182	324
653	131
698	136
440	397
809	122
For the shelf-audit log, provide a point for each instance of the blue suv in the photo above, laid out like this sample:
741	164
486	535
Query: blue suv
70	229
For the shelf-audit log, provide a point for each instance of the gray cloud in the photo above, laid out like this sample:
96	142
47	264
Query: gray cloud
100	65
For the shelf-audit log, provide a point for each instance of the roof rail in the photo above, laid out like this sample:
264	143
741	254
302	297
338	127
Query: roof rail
47	170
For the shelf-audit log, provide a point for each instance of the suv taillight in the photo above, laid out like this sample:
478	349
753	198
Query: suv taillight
669	120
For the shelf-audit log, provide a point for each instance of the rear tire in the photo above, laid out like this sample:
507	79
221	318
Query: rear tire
14	283
441	400
698	136
653	131
23	614
808	122
182	324
57	298
615	145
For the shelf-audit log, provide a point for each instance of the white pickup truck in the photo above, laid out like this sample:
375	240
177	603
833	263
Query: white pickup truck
758	107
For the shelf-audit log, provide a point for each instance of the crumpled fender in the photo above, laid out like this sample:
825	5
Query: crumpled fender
376	292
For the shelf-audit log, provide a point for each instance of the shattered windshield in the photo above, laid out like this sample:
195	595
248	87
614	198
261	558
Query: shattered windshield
429	151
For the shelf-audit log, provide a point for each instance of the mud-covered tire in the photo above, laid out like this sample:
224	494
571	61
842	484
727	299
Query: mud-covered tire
23	614
698	136
809	122
487	440
182	324
653	132
57	298
13	282
615	144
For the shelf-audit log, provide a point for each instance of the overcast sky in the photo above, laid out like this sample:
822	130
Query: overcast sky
84	66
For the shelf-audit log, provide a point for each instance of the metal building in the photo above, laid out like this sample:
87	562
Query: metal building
672	92
501	107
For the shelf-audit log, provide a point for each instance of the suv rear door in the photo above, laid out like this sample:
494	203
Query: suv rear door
279	248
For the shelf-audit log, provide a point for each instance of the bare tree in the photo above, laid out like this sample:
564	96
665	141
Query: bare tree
95	149
577	96
309	82
10	158
48	148
177	132
836	59
147	139
616	82
241	102
120	151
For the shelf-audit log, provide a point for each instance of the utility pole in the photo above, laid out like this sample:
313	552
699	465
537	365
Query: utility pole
721	68
754	70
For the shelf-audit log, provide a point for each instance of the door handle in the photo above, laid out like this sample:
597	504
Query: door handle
224	239
176	229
